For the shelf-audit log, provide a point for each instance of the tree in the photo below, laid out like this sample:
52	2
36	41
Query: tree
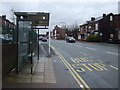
13	15
73	30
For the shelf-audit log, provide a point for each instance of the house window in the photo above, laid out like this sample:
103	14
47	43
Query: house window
111	18
111	35
89	27
5	23
96	26
86	28
118	35
9	26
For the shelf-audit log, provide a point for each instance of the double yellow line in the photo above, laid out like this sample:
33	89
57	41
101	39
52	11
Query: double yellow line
76	76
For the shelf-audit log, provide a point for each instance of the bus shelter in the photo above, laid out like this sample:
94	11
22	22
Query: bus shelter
28	26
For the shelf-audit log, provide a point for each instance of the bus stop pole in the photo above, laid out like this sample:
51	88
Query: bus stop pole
49	43
17	32
31	51
38	44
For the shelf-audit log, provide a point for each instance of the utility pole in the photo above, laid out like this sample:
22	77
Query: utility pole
49	44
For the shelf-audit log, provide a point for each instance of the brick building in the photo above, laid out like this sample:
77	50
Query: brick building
59	33
108	26
8	28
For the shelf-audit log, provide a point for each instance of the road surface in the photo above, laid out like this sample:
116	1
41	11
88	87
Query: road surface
93	65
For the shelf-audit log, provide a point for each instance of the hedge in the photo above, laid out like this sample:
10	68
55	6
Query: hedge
93	38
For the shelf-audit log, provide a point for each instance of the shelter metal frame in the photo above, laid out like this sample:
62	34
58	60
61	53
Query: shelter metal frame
37	19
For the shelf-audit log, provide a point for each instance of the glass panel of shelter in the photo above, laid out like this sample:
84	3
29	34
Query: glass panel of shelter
23	42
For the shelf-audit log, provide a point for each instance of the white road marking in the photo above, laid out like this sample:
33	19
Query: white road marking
111	53
85	54
78	45
43	49
90	48
100	61
81	86
113	67
54	60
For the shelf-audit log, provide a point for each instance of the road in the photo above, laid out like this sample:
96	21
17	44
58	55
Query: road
93	65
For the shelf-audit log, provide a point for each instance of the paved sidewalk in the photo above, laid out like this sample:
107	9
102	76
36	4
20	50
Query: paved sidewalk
49	72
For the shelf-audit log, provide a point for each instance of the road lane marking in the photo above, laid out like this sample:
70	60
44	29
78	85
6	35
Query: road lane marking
77	60
81	86
85	54
72	60
90	48
85	59
112	53
100	67
100	61
87	67
78	45
43	49
90	66
72	70
79	83
78	68
80	78
113	67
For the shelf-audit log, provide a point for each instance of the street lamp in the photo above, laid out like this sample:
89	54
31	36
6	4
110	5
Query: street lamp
21	17
43	17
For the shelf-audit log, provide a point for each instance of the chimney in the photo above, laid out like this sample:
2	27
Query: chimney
92	18
104	15
87	22
56	26
4	16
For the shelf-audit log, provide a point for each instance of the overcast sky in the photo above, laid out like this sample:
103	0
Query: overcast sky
67	12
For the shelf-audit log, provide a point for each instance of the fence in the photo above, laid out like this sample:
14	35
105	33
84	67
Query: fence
8	57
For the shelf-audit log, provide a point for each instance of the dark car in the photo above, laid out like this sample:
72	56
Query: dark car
113	41
44	39
40	38
70	40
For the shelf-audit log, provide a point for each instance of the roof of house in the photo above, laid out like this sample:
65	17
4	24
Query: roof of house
96	19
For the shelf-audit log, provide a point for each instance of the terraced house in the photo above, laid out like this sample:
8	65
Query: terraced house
107	25
58	33
8	30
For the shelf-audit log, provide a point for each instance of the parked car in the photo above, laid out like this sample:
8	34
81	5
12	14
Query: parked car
70	40
113	41
40	38
44	39
6	38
